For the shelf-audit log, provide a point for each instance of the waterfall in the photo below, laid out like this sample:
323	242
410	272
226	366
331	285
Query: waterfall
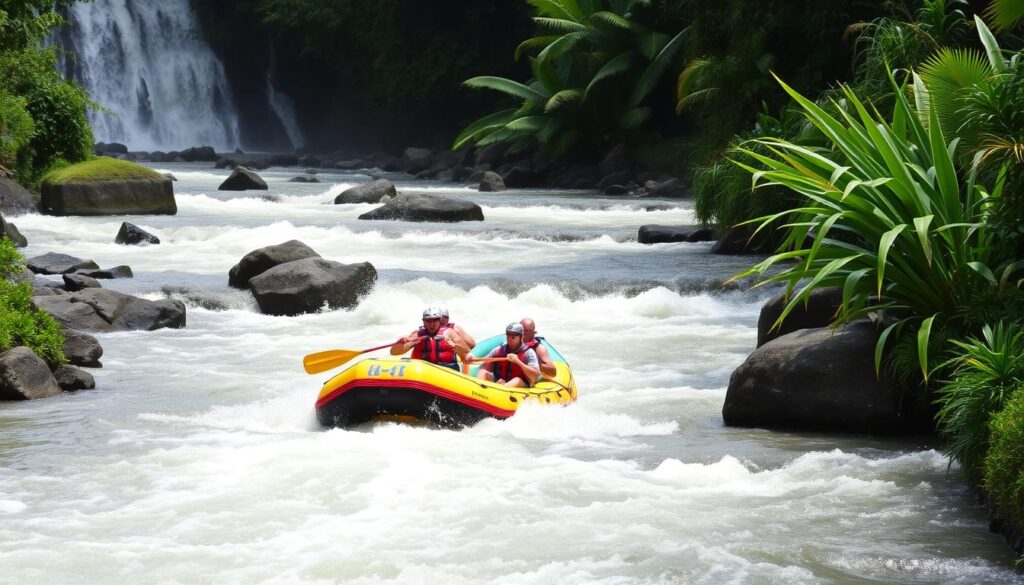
160	85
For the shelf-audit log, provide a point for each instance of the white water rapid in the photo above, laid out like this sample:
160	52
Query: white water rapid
198	458
159	83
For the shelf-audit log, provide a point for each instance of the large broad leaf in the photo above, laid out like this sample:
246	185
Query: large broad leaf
560	25
562	99
634	118
506	86
995	54
619	64
535	43
485	125
564	9
649	80
945	75
1005	14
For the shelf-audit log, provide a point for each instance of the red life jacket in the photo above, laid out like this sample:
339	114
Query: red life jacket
507	370
434	349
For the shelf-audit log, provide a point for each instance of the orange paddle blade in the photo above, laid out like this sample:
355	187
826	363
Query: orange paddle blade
322	361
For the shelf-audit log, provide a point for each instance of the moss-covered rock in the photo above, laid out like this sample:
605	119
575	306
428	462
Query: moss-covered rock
106	186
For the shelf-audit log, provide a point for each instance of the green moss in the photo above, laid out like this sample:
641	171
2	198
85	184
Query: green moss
1004	464
101	169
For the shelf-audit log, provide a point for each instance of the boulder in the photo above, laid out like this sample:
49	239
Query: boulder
418	207
109	149
259	261
521	175
242	179
385	162
15	199
304	286
283	160
670	188
371	192
622	177
659	234
738	240
819	311
82	349
72	379
100	309
149	196
108	273
819	379
77	282
616	161
493	154
10	231
491	181
304	179
54	263
199	153
25	376
131	235
415	160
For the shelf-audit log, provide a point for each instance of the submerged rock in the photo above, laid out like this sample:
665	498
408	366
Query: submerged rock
131	234
372	192
99	309
417	207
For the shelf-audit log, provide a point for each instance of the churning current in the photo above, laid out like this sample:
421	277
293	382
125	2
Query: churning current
198	459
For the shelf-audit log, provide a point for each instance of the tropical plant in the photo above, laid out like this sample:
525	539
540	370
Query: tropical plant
984	376
20	322
1005	14
1004	464
980	97
885	217
903	40
594	68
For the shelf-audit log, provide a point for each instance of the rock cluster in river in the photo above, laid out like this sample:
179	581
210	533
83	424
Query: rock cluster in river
78	304
291	279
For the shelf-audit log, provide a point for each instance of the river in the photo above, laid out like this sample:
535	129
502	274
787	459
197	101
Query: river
198	458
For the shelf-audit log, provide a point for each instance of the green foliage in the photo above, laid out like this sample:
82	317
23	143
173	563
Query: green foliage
16	128
595	67
101	169
980	97
1005	14
1004	464
57	108
20	323
24	23
723	192
42	116
885	217
986	373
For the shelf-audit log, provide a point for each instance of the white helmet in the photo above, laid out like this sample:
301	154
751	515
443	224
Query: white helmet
431	313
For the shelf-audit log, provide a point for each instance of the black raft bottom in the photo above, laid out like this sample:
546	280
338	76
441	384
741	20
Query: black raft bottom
365	404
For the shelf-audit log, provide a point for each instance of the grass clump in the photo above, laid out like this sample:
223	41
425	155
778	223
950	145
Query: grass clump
20	323
101	169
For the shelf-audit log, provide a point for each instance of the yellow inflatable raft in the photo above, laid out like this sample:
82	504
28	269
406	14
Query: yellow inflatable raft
414	390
